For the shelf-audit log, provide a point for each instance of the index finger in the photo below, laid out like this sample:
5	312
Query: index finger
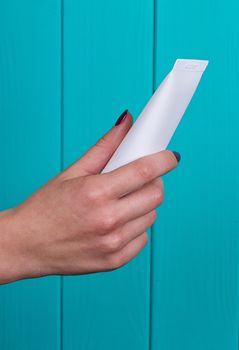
137	173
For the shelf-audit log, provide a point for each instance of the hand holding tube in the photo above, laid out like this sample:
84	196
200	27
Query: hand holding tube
82	221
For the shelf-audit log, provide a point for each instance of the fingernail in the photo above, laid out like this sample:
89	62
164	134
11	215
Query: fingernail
177	156
121	117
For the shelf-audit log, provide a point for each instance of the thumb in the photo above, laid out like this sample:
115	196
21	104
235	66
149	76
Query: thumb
96	158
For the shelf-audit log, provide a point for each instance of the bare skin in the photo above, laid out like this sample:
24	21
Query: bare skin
82	221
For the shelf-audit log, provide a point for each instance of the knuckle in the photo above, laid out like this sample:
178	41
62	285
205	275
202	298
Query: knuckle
102	141
112	243
115	261
94	194
107	222
143	169
158	190
160	182
93	190
108	219
97	188
158	195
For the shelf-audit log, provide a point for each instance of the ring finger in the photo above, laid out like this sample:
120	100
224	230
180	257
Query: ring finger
129	231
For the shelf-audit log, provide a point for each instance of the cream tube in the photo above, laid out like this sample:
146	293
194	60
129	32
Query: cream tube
158	121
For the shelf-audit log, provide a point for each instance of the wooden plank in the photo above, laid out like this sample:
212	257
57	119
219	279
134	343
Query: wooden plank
195	240
108	67
29	154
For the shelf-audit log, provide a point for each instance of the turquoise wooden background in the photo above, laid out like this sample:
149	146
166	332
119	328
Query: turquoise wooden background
67	70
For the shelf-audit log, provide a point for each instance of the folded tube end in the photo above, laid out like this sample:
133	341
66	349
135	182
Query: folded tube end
190	65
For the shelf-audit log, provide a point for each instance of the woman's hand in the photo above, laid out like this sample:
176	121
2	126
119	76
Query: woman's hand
82	221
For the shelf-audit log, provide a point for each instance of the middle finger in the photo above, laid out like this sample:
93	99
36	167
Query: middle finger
142	201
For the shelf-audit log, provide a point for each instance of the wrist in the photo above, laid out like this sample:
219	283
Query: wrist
15	258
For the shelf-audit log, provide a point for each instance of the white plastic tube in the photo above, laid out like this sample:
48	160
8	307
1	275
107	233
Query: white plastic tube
158	121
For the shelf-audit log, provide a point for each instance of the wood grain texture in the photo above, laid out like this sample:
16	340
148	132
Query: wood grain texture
107	68
29	154
195	240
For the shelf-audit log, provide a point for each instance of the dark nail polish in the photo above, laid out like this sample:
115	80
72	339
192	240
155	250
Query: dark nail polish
177	156
121	117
